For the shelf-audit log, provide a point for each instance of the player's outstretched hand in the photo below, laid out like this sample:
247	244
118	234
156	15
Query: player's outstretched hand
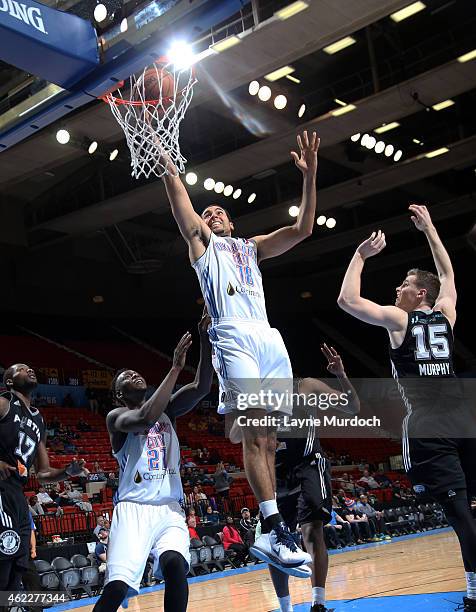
306	161
204	323
334	360
420	217
6	470
77	468
373	245
180	353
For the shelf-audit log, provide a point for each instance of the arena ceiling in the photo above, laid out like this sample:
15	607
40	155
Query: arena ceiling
74	225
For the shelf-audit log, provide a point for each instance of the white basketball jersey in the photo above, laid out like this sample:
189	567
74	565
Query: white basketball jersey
149	465
231	281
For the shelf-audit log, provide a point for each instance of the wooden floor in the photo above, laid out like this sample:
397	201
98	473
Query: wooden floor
427	564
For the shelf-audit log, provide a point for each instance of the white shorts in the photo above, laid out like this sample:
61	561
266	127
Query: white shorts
250	359
138	530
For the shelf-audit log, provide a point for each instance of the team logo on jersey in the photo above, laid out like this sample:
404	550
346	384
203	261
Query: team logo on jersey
9	542
419	488
230	289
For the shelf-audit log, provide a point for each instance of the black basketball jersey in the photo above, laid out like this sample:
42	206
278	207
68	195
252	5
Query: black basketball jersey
21	431
427	349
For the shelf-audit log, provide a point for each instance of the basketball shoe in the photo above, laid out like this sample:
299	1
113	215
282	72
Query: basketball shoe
468	605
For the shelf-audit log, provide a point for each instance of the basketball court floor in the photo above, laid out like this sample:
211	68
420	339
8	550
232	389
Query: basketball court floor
410	573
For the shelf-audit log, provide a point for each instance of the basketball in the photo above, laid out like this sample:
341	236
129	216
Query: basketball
158	84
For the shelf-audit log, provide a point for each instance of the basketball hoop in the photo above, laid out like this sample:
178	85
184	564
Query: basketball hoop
149	108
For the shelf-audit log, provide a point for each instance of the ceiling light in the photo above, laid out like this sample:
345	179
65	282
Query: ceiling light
264	93
252	198
228	190
339	102
280	102
370	142
253	88
92	147
343	43
437	152
355	137
225	44
209	184
363	141
389	149
380	147
306	295
113	154
442	105
293	79
386	127
279	73
63	136
416	141
331	223
219	187
293	211
124	25
321	220
467	56
237	194
408	11
292	9
343	110
181	54
191	178
100	12
398	155
302	110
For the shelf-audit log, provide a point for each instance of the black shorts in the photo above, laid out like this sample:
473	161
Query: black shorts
439	466
15	525
305	493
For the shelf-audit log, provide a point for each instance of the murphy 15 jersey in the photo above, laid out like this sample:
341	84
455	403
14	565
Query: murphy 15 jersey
230	280
21	431
149	465
427	349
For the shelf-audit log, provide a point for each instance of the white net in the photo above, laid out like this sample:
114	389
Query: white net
150	108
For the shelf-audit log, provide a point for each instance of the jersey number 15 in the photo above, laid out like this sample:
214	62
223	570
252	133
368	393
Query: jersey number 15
432	344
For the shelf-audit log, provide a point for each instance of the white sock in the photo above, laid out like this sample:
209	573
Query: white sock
318	595
285	604
471	584
268	508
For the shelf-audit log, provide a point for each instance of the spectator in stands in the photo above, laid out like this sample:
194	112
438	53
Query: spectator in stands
204	478
375	517
70	447
99	526
101	549
192	512
331	532
211	516
222	481
359	524
112	481
69	496
68	401
369	481
189	464
192	527
83	426
232	541
92	399
382	479
247	527
36	509
44	497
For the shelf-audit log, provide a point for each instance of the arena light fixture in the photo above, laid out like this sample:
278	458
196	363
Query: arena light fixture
302	110
92	147
340	102
219	187
264	93
124	25
292	9
226	43
209	184
471	55
252	198
280	102
100	12
321	220
181	54
380	147
293	78
293	211
389	149
228	190
386	127
355	137
398	155
331	223
63	136
370	142
416	141
113	154
436	152
443	105
237	194
337	46
191	178
253	88
279	73
363	140
343	110
407	11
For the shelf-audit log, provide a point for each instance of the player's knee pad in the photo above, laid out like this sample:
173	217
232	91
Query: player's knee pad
172	563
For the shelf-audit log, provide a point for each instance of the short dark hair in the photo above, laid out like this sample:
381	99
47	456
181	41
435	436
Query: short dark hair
9	372
114	382
426	280
226	211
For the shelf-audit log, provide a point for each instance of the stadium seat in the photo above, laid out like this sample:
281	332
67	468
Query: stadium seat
69	576
89	574
48	578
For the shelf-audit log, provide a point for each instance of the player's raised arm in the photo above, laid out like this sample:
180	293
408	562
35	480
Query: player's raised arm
350	300
192	227
285	238
186	398
446	300
126	420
